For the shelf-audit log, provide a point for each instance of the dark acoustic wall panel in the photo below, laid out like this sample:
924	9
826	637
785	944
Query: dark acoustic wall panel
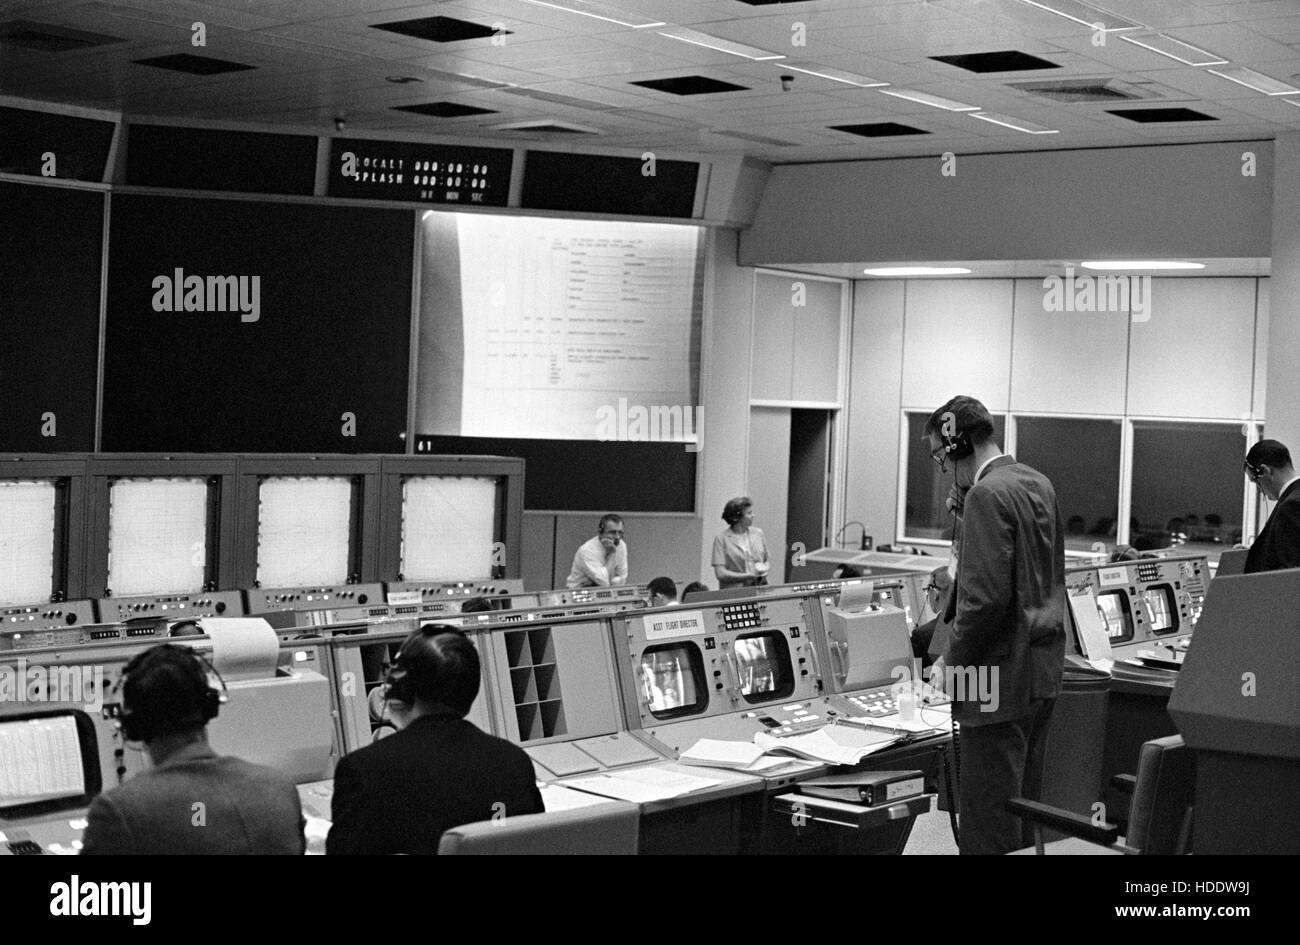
590	183
51	245
210	159
54	146
290	317
589	475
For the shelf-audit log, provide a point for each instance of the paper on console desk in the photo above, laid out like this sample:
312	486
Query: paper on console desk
833	744
718	753
242	647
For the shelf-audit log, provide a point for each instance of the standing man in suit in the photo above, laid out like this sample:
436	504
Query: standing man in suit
1006	650
1268	466
167	703
399	795
601	561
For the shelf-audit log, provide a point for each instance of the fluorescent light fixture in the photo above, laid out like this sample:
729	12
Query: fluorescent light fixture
1255	80
1015	124
836	75
696	38
1121	264
918	271
600	11
1086	14
923	98
1176	49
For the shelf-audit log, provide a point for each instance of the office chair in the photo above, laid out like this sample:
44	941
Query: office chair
602	829
1160	814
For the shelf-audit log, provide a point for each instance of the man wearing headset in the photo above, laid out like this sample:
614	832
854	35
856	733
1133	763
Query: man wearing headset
1268	466
1006	646
191	800
400	794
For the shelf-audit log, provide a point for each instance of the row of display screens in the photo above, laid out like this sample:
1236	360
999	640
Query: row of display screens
1157	603
161	533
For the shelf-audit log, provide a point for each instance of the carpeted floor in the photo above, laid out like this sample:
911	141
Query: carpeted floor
931	836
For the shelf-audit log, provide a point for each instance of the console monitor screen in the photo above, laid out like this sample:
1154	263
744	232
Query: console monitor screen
304	529
28	514
48	761
448	526
157	535
672	680
1161	611
1115	611
763	662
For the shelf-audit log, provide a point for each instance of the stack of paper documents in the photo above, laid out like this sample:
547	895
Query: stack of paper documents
737	756
832	744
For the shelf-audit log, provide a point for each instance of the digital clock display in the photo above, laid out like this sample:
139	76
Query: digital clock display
424	173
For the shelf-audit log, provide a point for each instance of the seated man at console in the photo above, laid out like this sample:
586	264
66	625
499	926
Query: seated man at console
663	591
601	561
399	795
191	800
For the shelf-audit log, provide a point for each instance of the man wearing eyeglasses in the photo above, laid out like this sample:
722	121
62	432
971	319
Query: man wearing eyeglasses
1007	636
1268	466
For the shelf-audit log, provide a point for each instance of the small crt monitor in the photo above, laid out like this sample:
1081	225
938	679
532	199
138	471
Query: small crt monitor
672	680
1117	614
763	666
1158	604
49	762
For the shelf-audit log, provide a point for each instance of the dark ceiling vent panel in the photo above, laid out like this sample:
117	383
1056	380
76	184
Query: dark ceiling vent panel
1157	116
193	65
440	29
690	85
444	110
46	37
1007	61
1069	91
879	129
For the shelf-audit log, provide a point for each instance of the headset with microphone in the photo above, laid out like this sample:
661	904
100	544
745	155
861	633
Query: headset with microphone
414	671
168	691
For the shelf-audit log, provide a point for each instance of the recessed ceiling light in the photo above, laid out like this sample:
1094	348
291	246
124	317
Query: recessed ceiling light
917	271
1118	264
923	98
401	79
1255	80
600	11
696	38
1086	14
1175	49
1015	124
836	75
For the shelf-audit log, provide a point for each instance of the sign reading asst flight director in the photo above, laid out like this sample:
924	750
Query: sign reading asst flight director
674	623
422	173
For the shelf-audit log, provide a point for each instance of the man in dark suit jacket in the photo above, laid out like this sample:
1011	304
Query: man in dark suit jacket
399	795
191	801
1268	466
1006	649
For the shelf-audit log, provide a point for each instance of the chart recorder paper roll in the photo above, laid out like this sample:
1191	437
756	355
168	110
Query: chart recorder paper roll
242	647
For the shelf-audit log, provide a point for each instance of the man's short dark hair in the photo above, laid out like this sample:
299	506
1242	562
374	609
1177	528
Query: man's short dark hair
971	417
735	508
476	605
693	587
166	692
441	666
1269	453
610	518
664	586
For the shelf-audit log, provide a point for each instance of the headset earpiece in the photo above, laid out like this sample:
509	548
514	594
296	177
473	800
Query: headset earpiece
141	724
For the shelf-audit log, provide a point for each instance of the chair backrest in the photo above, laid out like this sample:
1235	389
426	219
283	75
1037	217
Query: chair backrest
603	829
1163	795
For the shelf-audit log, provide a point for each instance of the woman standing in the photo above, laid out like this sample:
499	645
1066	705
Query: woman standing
740	552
